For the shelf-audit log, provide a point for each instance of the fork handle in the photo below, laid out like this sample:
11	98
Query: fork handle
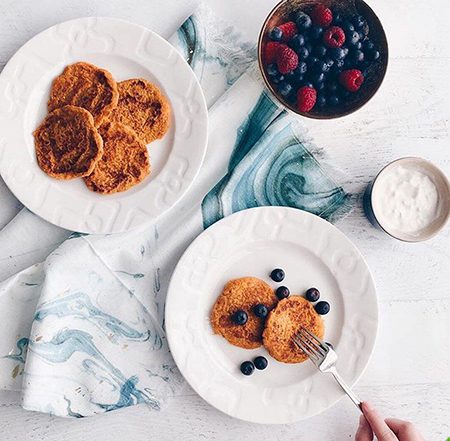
345	388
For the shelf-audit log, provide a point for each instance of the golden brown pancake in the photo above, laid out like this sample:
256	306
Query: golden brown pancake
144	108
67	143
85	85
125	161
243	294
284	321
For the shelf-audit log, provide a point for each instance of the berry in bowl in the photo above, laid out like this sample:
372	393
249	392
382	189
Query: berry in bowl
323	59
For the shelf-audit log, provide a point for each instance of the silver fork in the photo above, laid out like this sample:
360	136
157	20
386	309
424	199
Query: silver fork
324	358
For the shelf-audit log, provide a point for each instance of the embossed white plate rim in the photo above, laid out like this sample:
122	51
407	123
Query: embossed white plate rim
177	289
123	211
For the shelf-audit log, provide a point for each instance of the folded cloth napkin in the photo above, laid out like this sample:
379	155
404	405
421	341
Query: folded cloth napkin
83	331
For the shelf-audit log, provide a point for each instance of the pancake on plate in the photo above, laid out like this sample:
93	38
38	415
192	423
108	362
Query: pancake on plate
67	143
85	85
144	108
125	161
284	321
242	294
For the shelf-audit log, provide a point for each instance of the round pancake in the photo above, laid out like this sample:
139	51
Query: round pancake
144	108
243	294
67	143
88	86
284	321
125	161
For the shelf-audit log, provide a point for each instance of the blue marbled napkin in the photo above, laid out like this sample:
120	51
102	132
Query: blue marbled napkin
83	331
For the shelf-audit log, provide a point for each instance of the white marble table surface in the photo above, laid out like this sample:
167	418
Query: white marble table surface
409	374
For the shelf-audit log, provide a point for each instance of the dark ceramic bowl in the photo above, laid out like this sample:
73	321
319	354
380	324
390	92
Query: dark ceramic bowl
283	11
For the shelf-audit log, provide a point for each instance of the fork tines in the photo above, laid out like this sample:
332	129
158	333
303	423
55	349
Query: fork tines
311	345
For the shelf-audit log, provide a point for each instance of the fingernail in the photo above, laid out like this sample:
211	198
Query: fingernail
367	405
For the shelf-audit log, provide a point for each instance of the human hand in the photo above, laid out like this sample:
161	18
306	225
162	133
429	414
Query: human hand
391	429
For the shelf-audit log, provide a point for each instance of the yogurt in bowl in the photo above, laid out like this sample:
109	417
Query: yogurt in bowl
409	199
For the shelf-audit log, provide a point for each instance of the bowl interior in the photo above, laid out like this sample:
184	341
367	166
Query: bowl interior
283	12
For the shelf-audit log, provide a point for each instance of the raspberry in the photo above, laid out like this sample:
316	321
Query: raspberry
289	29
351	79
270	52
287	59
321	16
334	37
306	98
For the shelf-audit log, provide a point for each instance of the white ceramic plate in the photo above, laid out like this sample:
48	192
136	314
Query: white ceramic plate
251	243
127	51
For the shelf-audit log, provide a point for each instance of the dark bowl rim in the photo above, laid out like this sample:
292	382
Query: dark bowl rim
291	107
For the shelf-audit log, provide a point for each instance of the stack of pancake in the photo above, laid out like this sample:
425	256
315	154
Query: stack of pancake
275	332
98	129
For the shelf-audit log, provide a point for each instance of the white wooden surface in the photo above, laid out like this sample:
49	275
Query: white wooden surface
409	374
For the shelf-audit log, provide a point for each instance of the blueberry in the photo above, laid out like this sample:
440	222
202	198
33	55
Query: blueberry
338	66
368	45
277	275
313	294
240	317
303	53
361	35
276	34
301	68
373	55
282	292
316	32
321	100
345	49
247	368
303	21
322	308
357	56
348	27
319	86
317	78
352	38
308	46
278	78
272	70
336	53
260	362
260	310
284	88
297	41
320	66
319	51
329	62
358	45
337	18
359	21
333	100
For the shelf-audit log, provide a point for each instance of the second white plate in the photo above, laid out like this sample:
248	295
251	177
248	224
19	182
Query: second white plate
252	243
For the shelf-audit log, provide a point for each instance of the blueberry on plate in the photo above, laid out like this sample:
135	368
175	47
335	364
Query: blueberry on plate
345	49
373	55
301	68
260	362
282	292
358	45
260	310
312	295
333	100
303	21
297	41
277	78
308	46
329	62
276	34
320	66
368	45
321	100
316	32
317	78
272	70
336	53
322	308
247	368
319	51
359	21
338	66
357	56
285	88
303	53
361	35
319	86
240	317
277	275
348	27
352	38
337	18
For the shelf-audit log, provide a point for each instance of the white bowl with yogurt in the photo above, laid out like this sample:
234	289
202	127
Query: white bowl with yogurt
409	199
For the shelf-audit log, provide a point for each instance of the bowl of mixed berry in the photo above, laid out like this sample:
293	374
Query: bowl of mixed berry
323	59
